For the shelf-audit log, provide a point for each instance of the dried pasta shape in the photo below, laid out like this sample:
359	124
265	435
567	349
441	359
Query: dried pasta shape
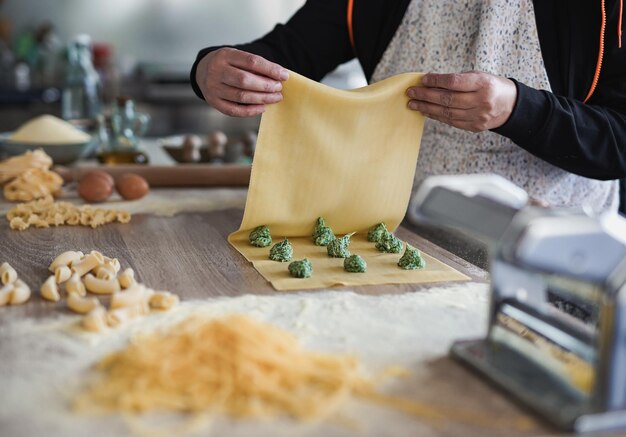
8	275
100	286
49	290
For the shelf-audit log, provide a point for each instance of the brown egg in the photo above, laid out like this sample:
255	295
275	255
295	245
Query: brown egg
94	188
100	174
131	186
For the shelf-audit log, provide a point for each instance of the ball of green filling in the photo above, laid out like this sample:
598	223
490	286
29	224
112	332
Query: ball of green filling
338	248
354	264
281	251
322	234
412	259
389	243
301	269
260	236
376	233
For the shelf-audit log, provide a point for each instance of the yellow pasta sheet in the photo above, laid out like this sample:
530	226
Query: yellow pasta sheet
348	156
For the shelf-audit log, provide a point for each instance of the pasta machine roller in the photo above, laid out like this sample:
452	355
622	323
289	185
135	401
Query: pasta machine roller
556	336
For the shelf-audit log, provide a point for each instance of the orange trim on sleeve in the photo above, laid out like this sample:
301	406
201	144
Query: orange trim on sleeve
619	23
350	28
596	75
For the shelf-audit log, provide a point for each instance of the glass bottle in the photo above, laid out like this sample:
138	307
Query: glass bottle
81	92
127	127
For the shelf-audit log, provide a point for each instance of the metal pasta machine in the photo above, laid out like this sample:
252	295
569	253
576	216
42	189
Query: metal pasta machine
556	338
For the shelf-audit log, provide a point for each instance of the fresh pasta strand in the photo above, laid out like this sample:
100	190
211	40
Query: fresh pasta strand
34	183
15	166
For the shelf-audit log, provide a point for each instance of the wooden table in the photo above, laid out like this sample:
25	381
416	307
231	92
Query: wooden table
189	253
161	249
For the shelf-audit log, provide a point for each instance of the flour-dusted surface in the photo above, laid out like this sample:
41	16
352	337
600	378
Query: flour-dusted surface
164	201
44	363
169	201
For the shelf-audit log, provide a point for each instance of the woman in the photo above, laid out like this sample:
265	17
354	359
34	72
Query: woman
537	90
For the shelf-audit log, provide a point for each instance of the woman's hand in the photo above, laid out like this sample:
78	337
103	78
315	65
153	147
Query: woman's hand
238	83
473	101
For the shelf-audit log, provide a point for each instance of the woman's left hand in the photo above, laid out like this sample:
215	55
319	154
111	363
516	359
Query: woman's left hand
473	101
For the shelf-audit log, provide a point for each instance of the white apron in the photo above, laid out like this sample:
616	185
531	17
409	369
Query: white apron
498	37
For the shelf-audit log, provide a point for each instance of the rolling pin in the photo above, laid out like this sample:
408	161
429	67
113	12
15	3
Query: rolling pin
182	175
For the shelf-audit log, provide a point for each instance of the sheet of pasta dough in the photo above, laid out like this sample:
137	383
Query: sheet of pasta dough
348	156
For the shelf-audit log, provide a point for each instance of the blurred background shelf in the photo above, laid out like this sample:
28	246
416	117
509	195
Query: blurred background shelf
142	49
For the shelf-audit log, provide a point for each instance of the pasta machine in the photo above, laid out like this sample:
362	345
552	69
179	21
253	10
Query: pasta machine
556	336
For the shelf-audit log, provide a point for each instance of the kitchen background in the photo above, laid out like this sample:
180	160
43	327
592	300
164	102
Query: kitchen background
142	49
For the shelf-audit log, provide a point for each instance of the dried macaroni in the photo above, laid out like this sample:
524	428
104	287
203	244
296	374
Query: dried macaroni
46	212
74	274
8	275
99	274
49	290
20	294
13	291
80	304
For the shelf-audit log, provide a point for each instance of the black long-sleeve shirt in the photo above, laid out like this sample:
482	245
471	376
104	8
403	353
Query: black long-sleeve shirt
588	139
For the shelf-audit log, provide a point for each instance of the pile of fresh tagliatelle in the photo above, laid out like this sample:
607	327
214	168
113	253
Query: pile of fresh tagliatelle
233	365
244	369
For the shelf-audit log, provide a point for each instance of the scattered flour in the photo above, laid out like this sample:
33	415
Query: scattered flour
45	362
166	201
169	202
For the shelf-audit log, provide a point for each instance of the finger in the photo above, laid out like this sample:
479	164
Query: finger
461	100
465	125
258	64
469	81
236	109
244	96
238	78
444	112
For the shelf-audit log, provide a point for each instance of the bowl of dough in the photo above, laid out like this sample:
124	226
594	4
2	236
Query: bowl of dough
63	142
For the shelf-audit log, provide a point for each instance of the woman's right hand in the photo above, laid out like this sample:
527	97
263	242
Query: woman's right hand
239	83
